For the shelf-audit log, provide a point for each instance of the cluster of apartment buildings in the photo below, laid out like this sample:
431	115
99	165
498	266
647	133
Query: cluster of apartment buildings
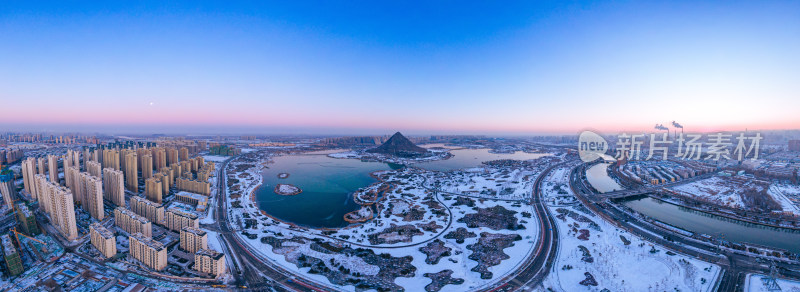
224	150
106	174
659	172
8	156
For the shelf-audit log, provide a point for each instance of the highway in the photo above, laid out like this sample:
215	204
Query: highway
536	267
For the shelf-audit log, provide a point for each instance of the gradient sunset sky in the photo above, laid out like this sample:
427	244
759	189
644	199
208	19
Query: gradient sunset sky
373	67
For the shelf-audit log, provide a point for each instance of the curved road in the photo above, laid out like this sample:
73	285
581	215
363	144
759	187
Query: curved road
536	267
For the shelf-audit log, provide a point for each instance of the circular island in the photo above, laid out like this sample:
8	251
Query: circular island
287	190
283	175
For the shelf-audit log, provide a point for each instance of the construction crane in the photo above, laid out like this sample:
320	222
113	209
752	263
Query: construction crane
17	234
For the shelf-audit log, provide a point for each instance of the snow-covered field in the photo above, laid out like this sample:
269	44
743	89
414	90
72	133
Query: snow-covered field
489	182
588	244
639	266
555	188
715	189
754	283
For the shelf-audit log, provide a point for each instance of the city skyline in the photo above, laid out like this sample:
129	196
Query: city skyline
366	68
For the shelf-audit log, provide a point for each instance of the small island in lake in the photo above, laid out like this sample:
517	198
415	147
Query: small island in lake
283	175
359	216
287	190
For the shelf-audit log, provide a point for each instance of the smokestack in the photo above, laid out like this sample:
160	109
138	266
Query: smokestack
676	125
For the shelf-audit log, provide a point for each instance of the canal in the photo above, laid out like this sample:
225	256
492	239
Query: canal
597	175
719	227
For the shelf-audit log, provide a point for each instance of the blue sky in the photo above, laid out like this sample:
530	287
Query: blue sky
365	67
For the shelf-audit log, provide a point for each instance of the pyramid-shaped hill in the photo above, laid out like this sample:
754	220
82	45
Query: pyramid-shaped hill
398	145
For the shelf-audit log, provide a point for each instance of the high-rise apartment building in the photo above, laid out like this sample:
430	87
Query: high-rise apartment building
159	157
58	204
29	177
184	154
175	170
72	179
103	239
172	156
132	222
148	251
164	183
151	210
92	195
186	167
131	172
193	239
52	166
206	171
177	219
113	187
94	168
8	189
87	154
11	256
97	155
190	185
41	164
153	189
73	158
27	220
209	262
111	159
146	166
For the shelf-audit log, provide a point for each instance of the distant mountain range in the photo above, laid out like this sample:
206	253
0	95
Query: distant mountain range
398	145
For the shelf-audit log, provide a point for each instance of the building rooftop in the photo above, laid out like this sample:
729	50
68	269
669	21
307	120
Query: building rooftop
182	213
198	197
8	246
102	230
196	231
133	215
210	253
146	201
22	208
180	206
148	241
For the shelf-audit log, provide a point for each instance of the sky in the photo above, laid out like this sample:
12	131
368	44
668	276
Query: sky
421	67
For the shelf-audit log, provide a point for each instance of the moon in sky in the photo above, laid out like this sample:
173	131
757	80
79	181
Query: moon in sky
151	103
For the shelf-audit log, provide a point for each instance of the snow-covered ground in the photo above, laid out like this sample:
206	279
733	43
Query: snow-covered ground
555	188
787	195
715	189
489	182
347	154
754	283
213	241
408	203
588	244
208	216
215	158
639	266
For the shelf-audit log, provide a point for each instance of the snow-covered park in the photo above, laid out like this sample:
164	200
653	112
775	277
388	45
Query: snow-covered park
419	240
